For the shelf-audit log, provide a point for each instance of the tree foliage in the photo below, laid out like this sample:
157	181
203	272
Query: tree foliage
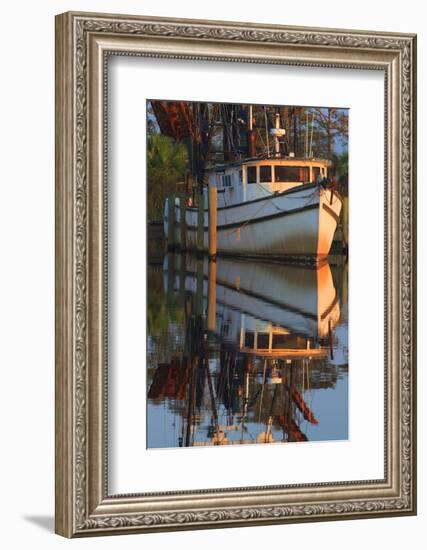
167	162
341	165
162	310
317	132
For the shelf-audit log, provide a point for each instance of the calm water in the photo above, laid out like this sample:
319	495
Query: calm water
246	352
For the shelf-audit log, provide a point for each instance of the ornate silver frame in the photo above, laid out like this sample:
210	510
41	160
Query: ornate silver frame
83	42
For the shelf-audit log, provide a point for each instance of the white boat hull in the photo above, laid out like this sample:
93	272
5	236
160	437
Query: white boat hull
296	223
301	300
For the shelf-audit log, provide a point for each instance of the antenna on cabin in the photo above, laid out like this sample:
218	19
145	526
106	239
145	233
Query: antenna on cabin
277	133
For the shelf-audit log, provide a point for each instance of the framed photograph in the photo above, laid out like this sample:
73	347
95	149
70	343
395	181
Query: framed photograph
235	274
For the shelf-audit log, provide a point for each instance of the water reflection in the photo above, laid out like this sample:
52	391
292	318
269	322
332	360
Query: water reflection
245	352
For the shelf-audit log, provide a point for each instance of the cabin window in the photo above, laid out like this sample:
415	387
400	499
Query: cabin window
249	339
265	174
225	329
240	176
315	171
291	173
288	341
251	174
226	180
263	340
280	341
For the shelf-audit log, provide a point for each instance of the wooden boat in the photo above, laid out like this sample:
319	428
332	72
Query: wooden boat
272	205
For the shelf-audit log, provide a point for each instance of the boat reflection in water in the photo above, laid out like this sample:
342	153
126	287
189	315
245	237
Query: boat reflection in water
257	354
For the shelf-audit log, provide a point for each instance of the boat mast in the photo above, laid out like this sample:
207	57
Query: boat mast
311	136
266	131
251	147
306	134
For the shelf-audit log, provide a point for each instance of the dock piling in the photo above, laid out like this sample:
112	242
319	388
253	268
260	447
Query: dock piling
213	206
211	324
199	287
182	224
171	222
170	274
200	222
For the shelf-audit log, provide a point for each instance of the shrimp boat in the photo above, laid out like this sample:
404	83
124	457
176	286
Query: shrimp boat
271	205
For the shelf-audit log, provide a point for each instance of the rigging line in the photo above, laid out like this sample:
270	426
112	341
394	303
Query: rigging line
262	389
254	398
210	130
205	360
311	137
246	222
278	208
306	134
266	132
273	193
297	198
259	135
227	129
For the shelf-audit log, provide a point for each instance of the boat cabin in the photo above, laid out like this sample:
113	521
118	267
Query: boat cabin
277	342
263	339
253	179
